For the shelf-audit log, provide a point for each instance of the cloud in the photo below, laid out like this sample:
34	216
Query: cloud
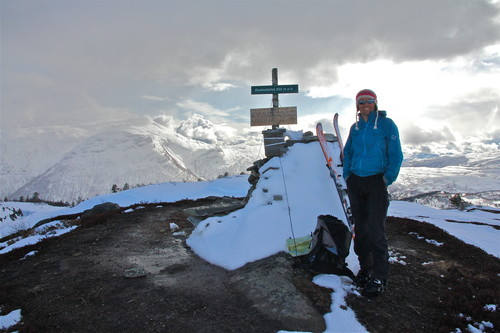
160	38
210	77
458	94
474	114
31	99
165	120
415	135
220	86
493	138
100	60
200	107
199	128
156	98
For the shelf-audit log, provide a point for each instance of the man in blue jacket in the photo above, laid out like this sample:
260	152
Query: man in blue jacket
372	159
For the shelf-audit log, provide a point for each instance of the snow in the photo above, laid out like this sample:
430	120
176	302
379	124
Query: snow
292	191
430	241
295	182
396	258
342	318
483	235
236	186
491	307
10	319
30	240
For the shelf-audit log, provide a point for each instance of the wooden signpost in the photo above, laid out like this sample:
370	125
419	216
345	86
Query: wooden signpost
274	116
274	141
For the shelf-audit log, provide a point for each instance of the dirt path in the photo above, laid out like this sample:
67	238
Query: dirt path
76	283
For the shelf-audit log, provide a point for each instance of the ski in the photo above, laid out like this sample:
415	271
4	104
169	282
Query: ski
339	137
337	178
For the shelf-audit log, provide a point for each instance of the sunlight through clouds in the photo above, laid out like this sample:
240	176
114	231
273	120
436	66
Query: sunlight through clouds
411	90
436	68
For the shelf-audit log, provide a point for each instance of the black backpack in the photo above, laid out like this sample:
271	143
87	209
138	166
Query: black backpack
330	245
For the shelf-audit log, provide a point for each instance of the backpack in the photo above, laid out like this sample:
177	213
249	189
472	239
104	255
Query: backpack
329	246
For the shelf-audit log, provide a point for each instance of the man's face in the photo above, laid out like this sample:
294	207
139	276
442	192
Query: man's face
366	108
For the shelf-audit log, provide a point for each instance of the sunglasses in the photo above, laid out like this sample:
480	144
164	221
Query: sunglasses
369	101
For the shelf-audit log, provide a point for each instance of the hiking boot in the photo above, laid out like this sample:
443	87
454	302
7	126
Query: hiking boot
374	287
361	279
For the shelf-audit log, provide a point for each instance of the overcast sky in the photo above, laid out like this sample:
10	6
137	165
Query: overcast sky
435	65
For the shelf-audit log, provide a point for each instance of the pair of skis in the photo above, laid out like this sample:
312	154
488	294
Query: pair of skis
340	184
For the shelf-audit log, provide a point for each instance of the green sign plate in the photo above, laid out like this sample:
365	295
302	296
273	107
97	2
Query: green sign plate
283	89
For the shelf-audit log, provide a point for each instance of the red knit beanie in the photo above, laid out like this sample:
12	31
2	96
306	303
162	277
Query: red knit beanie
366	93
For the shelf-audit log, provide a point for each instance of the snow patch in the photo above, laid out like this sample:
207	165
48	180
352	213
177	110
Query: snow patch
10	319
430	241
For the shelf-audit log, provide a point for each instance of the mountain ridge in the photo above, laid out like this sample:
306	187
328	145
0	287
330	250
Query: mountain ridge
146	152
70	164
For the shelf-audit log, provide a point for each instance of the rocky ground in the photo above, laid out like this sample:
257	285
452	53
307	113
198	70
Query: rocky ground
130	273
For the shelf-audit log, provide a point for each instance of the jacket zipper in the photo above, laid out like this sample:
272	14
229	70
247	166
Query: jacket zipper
364	148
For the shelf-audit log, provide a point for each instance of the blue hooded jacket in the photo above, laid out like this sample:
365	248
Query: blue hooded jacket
373	147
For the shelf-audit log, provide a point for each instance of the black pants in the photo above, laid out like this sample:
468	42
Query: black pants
369	203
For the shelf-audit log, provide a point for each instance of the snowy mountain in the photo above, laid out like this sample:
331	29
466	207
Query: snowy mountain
28	152
434	179
73	163
145	152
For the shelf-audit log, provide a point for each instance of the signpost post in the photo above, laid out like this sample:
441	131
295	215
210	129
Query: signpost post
274	115
274	141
